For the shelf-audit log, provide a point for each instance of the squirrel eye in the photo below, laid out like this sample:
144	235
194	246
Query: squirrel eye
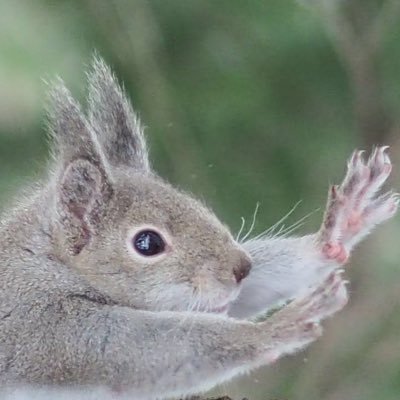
148	243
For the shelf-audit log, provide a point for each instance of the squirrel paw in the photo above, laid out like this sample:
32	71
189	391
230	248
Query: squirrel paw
305	313
327	299
298	324
353	208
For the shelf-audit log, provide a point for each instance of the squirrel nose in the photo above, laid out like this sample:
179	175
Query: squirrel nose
242	270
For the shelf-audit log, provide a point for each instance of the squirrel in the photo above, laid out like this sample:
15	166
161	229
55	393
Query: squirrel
112	278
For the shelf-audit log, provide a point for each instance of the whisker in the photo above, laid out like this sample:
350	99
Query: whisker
271	229
194	301
196	306
298	223
253	223
199	298
289	231
281	228
241	229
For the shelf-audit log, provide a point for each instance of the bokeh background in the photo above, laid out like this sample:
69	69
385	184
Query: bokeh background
245	102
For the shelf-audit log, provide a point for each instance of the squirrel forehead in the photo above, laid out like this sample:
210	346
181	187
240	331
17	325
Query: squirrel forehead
148	199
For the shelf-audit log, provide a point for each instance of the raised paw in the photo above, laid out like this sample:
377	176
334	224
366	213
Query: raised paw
354	207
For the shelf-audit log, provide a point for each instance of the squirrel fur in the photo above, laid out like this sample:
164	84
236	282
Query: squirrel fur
81	308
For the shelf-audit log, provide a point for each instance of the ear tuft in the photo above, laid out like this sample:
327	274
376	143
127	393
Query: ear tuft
69	129
116	124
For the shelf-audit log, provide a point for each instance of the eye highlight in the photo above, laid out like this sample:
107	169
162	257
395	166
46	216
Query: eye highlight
148	243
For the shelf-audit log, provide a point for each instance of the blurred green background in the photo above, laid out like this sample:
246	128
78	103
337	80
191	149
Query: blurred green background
245	102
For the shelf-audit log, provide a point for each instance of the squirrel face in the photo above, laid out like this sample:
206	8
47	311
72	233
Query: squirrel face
129	233
196	265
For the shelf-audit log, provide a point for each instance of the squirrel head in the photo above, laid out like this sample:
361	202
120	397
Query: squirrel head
119	225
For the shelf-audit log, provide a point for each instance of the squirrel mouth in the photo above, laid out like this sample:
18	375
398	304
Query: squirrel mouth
220	310
216	310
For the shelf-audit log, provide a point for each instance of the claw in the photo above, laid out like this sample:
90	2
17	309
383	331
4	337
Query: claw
381	154
353	159
360	157
353	208
356	158
384	148
372	157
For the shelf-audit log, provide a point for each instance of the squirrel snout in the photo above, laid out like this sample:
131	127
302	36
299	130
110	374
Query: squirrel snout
242	270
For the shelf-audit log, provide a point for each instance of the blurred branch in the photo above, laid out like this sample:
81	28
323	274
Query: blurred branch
386	18
357	33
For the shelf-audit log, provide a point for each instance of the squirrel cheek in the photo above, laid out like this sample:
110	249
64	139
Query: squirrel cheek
200	281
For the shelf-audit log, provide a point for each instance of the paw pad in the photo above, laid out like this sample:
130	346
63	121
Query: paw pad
335	252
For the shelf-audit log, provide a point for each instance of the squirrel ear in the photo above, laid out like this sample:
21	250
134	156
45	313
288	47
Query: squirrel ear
116	124
72	135
81	202
83	185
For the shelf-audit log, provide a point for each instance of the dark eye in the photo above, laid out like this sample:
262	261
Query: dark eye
148	243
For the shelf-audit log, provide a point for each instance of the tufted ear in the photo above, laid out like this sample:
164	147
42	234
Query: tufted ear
116	124
83	182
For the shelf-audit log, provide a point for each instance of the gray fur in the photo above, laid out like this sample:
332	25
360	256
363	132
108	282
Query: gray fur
114	120
78	308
